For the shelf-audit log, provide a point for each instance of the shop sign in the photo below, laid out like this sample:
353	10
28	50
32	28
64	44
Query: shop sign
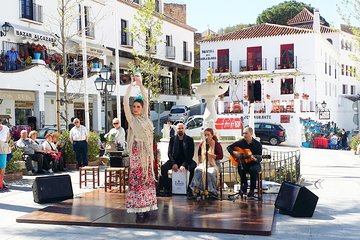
33	35
324	114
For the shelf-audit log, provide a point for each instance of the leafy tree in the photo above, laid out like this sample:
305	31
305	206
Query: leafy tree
234	28
349	12
64	19
147	33
283	12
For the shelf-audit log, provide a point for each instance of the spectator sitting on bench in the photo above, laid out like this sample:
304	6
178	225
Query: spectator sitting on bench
53	155
29	148
33	135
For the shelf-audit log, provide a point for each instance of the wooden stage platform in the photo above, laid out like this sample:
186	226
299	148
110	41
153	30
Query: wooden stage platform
100	209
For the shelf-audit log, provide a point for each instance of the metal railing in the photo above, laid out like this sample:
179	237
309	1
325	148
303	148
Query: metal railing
32	12
257	64
285	64
283	166
187	56
170	52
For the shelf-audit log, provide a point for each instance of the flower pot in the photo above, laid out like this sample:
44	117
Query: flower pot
306	144
96	65
13	176
37	55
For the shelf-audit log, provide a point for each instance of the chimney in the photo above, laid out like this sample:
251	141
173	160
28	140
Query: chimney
316	21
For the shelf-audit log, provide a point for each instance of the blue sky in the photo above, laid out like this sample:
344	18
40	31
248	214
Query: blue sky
223	13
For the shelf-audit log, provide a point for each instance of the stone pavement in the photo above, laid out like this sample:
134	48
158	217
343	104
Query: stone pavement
332	175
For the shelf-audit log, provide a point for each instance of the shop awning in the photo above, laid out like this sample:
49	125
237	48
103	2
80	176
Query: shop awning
95	50
32	33
17	95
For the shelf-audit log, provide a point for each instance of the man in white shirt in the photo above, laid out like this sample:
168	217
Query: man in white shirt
79	137
118	132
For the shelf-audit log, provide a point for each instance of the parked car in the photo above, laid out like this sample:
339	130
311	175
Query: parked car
270	132
42	133
179	113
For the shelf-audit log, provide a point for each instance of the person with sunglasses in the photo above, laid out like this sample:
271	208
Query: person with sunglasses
79	137
118	132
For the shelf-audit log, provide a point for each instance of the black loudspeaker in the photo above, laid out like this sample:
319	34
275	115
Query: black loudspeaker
52	189
296	200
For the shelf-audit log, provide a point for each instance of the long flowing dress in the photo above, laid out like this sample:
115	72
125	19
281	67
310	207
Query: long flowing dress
198	182
141	196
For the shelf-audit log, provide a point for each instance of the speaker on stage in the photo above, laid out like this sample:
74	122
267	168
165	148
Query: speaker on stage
52	189
296	200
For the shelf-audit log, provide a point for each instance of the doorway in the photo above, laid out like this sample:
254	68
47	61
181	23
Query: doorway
254	90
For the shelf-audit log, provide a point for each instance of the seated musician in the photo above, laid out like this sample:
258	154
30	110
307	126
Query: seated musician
215	154
247	152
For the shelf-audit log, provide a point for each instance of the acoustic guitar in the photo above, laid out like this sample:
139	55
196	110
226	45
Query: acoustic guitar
245	156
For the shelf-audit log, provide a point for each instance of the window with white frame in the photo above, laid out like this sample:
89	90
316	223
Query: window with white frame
344	89
352	90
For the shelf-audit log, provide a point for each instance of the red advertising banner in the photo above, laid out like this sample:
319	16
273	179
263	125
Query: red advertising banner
228	123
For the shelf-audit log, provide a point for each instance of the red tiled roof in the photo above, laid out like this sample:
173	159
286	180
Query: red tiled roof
323	29
305	16
258	31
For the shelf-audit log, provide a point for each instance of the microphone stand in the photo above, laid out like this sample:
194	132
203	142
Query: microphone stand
206	168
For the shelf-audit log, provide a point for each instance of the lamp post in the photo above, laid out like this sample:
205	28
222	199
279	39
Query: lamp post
105	86
5	28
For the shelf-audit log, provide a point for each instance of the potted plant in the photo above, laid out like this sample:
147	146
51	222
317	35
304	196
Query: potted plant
296	95
38	50
267	96
13	170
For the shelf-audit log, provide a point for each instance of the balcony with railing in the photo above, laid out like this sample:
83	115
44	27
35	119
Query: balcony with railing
33	12
224	68
257	64
89	29
187	56
285	63
170	52
268	106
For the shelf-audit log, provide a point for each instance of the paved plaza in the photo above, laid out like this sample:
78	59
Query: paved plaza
332	175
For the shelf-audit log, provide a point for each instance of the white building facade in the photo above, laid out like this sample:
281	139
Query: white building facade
287	72
28	85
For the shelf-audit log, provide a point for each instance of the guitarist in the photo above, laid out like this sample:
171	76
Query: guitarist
252	166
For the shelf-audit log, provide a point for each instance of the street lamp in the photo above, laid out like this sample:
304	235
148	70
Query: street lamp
323	104
105	86
5	28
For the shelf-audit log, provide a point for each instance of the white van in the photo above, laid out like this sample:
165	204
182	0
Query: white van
179	113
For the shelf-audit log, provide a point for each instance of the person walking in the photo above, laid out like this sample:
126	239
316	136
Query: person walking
79	138
141	197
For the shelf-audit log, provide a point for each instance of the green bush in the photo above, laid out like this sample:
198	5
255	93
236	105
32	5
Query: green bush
354	142
93	147
17	156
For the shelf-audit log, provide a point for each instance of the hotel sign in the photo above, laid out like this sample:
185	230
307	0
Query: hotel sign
207	55
34	35
324	114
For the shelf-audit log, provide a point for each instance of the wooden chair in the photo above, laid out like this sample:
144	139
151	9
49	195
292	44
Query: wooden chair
116	177
93	172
